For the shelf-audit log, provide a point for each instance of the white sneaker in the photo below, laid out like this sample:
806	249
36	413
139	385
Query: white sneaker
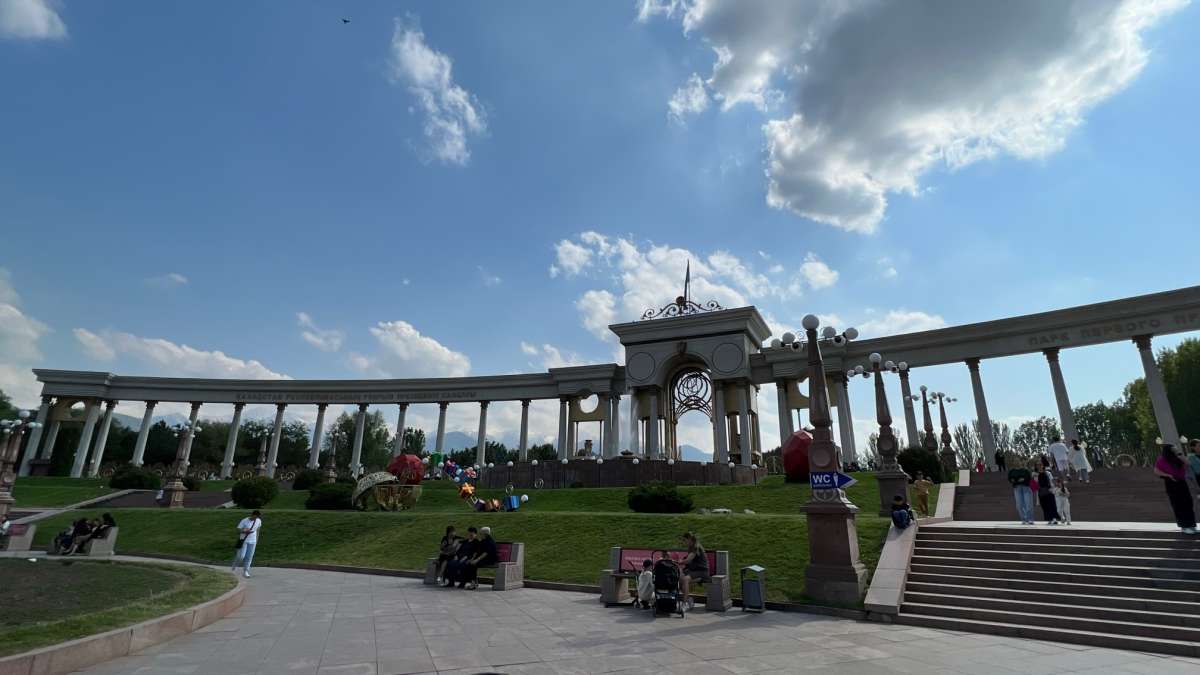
1189	530
247	575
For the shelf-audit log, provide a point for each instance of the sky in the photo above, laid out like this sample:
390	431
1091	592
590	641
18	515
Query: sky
265	190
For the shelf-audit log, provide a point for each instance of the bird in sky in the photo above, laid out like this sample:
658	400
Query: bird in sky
345	20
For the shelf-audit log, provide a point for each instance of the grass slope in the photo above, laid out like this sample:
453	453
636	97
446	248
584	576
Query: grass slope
55	491
60	600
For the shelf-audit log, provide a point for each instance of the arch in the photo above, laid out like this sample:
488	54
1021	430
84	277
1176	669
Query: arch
689	388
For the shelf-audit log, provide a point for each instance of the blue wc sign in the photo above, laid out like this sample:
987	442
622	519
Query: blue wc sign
829	480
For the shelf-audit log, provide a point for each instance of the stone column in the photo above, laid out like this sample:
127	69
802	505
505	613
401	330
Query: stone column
523	443
720	424
562	427
834	574
891	478
276	432
845	418
614	431
85	439
231	441
981	415
1065	415
1158	393
399	449
930	441
785	412
35	436
481	439
635	430
652	425
572	432
910	416
51	438
440	444
360	423
604	403
949	458
745	436
191	434
102	439
314	450
139	448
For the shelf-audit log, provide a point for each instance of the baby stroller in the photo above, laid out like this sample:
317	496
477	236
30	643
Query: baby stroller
666	589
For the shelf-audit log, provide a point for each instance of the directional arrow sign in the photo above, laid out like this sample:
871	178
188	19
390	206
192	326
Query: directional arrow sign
829	480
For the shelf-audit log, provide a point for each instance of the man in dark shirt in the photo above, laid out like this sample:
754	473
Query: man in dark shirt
466	551
483	555
1019	478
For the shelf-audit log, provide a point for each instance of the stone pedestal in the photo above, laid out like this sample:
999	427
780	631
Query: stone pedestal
891	483
39	467
835	575
949	466
173	493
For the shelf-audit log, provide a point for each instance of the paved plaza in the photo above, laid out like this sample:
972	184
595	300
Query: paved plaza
299	621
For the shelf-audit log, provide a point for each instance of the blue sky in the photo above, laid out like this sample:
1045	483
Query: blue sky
179	182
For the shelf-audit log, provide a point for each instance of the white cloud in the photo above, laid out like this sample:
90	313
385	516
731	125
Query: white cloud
19	337
887	269
452	114
405	352
598	310
690	99
169	280
900	321
31	20
325	339
488	278
879	93
553	357
164	357
816	273
751	283
571	258
528	349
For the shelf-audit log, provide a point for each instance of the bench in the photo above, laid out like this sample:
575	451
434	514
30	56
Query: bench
103	545
19	537
626	563
510	567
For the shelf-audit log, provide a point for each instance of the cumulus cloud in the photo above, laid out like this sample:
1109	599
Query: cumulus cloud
900	321
598	309
325	339
875	94
452	114
553	357
690	99
169	280
816	273
19	350
570	258
887	269
31	20
404	352
167	358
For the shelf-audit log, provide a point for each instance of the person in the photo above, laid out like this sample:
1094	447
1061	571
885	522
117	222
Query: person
695	566
106	523
62	542
1171	468
466	551
1194	463
1045	492
1058	450
95	529
902	515
1079	461
5	526
485	556
80	533
1000	463
446	551
1019	477
922	485
645	585
247	541
1062	500
978	465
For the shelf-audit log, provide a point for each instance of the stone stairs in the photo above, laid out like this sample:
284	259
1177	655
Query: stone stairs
1123	495
1121	589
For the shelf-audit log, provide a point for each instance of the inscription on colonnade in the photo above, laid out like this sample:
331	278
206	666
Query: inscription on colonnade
355	396
1109	330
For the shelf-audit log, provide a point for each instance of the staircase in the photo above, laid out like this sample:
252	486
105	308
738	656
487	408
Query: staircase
1122	495
1122	589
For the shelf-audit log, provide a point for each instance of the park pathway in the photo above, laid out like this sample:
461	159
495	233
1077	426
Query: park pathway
310	622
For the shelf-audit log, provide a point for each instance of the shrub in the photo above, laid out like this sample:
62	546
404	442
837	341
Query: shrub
577	484
254	492
134	478
191	483
330	497
658	497
913	460
308	479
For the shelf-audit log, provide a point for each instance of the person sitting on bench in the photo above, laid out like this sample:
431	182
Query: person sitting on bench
447	551
695	566
485	556
466	551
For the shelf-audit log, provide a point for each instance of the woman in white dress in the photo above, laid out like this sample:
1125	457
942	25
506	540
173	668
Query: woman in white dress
1079	461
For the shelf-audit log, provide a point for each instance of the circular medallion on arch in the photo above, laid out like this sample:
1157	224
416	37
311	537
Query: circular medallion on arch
727	358
640	366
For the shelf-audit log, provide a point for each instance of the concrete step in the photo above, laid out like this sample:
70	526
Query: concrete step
1026	566
1059	606
1052	620
1171	550
1038	556
1068	635
953	567
1148	599
1040	538
1072	531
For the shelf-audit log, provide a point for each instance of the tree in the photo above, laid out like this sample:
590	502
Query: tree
8	411
1110	429
1181	373
414	441
968	446
873	447
544	452
1033	436
376	446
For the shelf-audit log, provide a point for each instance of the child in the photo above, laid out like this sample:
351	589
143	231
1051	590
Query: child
979	465
1062	500
902	515
645	585
922	486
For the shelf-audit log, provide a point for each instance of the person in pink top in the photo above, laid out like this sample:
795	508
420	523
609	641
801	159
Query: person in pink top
1171	468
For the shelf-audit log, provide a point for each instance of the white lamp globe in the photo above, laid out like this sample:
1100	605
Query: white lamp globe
923	388
599	460
875	357
890	365
789	337
534	462
564	460
731	465
510	463
903	365
23	414
851	333
858	370
850	373
776	343
635	461
828	332
810	322
671	462
754	466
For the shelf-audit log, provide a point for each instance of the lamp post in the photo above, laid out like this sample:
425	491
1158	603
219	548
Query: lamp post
834	573
331	463
892	479
262	454
175	489
11	432
949	459
929	442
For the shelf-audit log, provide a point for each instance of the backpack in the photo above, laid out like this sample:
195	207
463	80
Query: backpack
901	519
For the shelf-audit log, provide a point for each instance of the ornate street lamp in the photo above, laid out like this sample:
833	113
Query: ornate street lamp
930	441
892	479
949	459
175	489
331	463
11	432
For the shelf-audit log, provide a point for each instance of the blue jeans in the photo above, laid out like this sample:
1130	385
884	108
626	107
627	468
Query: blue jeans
245	553
1023	496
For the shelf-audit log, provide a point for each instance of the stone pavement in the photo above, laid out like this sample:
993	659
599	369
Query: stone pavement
312	622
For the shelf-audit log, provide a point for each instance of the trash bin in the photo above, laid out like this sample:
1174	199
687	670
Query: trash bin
754	588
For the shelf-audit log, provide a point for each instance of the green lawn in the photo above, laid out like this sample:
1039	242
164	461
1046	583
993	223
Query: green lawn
567	532
55	491
58	600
